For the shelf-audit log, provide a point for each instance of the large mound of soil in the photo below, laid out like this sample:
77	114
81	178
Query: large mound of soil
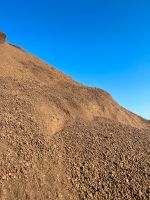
62	140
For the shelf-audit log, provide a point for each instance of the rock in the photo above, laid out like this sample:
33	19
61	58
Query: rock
2	37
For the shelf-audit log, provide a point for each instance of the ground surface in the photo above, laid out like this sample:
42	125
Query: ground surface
62	140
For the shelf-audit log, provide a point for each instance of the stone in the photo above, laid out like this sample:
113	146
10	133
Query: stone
2	37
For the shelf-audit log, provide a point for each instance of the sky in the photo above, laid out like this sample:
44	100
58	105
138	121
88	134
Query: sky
100	43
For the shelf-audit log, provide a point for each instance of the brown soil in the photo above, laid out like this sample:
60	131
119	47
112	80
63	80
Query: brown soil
62	140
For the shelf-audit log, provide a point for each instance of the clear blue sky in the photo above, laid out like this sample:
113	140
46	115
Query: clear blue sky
102	43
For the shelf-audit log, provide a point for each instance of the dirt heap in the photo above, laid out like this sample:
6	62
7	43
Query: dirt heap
62	140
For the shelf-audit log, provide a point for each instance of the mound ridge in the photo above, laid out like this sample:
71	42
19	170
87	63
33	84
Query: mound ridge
63	140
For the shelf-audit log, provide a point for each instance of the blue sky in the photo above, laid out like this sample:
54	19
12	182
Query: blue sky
99	43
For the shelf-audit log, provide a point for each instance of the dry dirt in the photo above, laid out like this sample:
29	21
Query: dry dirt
61	140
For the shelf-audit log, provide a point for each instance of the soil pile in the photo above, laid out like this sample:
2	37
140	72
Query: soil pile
62	140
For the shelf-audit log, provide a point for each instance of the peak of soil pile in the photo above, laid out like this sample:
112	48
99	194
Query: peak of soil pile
63	140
